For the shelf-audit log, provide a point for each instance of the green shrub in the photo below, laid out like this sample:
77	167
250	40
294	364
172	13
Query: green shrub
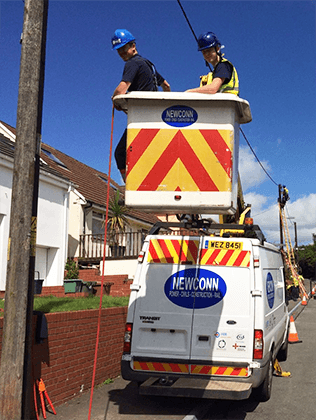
72	270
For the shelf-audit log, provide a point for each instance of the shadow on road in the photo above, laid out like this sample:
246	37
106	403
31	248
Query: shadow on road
129	403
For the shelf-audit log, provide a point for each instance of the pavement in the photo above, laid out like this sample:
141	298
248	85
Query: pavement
120	399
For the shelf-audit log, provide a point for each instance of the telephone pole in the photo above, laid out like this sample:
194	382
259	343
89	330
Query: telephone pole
280	216
15	369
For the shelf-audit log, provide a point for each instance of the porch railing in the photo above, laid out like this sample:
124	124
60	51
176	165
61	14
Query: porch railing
128	245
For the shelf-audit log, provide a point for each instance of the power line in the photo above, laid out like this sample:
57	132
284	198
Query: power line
192	30
257	158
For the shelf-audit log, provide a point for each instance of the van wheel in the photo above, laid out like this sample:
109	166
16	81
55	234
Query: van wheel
263	392
282	354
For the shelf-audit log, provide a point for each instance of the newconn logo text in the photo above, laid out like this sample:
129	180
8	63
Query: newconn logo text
179	113
195	283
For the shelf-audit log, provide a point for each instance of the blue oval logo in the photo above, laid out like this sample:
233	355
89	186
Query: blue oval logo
195	288
270	290
179	116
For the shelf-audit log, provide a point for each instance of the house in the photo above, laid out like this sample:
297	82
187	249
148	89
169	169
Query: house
87	208
52	221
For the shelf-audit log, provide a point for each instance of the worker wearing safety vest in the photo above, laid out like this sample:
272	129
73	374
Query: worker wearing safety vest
223	78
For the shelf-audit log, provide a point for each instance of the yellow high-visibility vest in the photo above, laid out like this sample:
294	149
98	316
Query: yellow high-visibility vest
231	87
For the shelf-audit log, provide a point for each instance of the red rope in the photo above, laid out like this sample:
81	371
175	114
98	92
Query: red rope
102	276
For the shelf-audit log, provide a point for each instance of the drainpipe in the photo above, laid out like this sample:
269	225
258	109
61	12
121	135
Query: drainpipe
66	226
86	207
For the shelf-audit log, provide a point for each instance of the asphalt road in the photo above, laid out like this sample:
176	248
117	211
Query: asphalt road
292	398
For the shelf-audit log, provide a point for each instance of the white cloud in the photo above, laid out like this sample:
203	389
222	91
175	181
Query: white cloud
302	210
251	173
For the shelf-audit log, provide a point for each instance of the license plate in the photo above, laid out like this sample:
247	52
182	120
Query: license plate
223	245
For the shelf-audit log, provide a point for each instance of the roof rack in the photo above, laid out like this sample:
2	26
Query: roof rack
226	230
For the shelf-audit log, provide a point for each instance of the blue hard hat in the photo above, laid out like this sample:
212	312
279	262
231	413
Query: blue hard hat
207	40
121	37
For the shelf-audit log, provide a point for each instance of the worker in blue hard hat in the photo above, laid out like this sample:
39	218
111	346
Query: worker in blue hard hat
139	75
223	78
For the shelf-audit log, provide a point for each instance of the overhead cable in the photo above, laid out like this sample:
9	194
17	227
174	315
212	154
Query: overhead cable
192	30
257	158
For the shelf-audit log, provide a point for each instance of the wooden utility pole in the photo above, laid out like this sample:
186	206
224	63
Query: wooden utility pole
15	369
280	216
295	237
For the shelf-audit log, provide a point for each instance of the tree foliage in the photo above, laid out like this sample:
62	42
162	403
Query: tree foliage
117	221
307	260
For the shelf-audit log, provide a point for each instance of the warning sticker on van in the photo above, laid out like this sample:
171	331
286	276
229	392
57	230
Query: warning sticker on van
174	251
195	288
225	257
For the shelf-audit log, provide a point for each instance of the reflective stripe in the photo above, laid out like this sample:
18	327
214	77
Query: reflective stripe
161	367
228	258
191	369
231	87
173	251
219	370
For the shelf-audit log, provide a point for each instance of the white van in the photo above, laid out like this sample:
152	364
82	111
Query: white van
207	317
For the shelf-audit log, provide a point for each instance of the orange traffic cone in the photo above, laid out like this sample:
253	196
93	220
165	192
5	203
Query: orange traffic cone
313	291
304	301
293	336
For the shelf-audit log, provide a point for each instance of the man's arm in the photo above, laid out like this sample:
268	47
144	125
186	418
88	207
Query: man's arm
120	90
165	86
211	88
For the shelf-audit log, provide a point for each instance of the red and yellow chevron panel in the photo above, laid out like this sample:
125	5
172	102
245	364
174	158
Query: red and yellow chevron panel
225	257
179	160
173	251
161	367
219	370
193	369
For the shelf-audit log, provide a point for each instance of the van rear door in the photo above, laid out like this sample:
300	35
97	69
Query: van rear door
223	317
163	327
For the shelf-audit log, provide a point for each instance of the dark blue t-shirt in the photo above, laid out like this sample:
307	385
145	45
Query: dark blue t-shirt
139	72
224	71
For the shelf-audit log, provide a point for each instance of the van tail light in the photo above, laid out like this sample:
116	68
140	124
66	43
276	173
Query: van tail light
258	345
128	338
141	256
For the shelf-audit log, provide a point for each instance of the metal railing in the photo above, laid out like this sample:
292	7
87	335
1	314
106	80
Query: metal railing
127	245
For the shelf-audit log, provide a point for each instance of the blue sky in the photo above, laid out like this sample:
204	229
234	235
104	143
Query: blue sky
271	43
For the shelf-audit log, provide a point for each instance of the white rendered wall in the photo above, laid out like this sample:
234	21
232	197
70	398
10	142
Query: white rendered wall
52	225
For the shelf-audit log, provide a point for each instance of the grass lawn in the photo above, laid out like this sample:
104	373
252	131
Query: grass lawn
52	304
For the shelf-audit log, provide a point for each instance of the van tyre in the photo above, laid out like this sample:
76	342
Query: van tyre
263	392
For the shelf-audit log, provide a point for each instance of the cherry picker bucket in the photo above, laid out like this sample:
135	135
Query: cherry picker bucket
182	151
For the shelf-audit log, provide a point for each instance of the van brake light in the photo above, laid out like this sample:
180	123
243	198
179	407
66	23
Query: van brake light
258	345
127	338
141	256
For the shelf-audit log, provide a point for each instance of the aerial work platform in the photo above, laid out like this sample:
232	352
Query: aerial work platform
182	151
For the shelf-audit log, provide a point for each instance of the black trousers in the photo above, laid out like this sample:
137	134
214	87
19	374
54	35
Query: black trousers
120	152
